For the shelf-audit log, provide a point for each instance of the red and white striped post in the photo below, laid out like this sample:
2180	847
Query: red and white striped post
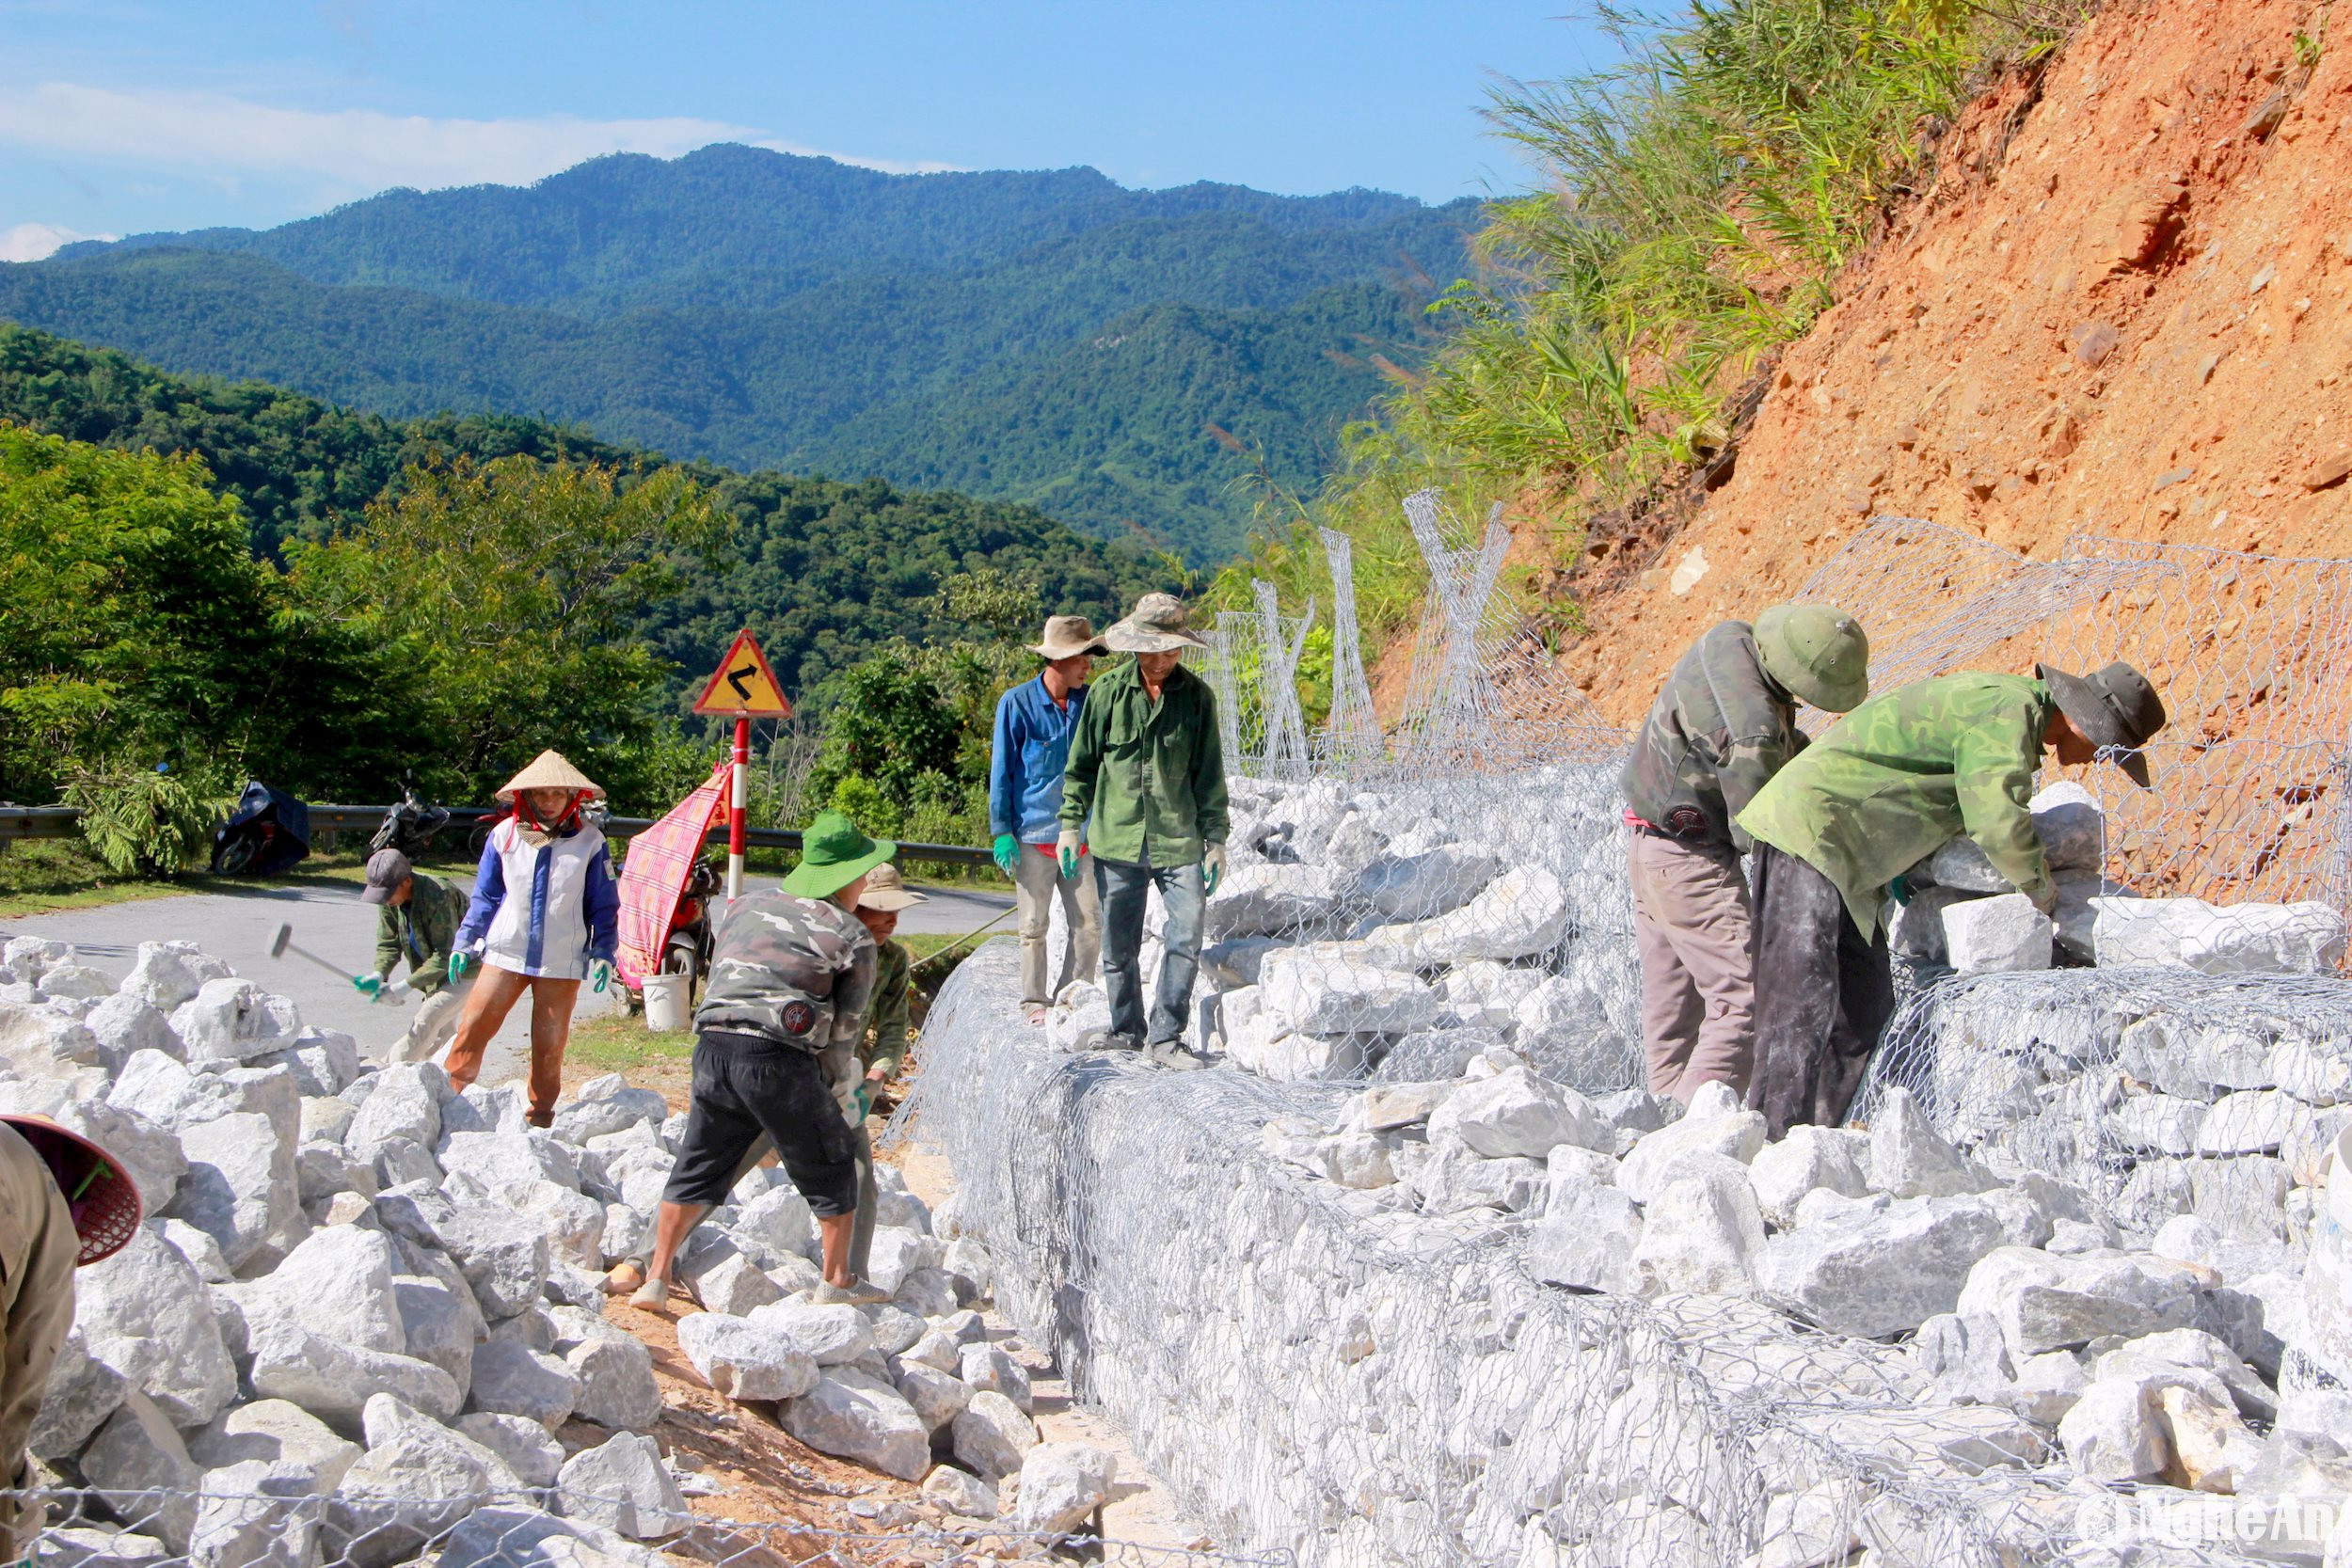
742	799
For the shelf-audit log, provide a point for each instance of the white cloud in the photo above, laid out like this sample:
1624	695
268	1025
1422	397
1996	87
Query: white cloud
361	149
30	242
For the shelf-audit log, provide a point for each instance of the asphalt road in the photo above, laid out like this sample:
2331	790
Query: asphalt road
236	926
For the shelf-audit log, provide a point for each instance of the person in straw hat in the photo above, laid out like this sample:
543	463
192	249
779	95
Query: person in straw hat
779	1027
1026	757
1145	791
885	1049
544	916
64	1203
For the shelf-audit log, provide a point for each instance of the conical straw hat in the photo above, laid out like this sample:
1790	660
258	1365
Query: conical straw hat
550	771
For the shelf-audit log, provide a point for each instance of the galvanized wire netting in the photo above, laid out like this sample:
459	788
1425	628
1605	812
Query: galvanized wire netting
290	1519
1321	1369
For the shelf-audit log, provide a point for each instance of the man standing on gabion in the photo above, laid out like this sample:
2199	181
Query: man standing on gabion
791	978
419	922
1902	775
1026	755
1724	722
1145	795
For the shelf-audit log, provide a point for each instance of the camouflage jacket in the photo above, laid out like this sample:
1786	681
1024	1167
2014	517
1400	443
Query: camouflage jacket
422	931
795	971
1904	773
1720	730
894	976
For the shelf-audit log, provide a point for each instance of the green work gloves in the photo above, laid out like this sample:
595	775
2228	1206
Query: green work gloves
1007	850
1212	868
462	965
600	972
369	986
865	1102
1066	851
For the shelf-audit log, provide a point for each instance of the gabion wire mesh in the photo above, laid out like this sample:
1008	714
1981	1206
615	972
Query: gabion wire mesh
1314	1370
291	1522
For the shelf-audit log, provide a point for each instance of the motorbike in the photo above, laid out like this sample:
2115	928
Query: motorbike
409	825
267	833
687	949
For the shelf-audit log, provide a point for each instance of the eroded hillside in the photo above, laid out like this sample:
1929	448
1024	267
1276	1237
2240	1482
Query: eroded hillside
2120	309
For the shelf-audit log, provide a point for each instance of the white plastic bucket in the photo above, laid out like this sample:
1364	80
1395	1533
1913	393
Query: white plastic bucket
666	1011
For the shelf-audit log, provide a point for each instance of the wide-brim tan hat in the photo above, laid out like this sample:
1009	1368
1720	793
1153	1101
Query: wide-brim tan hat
1067	637
885	889
1156	625
550	771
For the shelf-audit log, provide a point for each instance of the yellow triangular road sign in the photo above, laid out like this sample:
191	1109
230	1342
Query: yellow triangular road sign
744	687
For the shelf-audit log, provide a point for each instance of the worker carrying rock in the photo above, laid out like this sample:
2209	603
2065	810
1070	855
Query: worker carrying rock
418	923
1144	795
1723	724
779	1027
64	1203
1027	752
1887	786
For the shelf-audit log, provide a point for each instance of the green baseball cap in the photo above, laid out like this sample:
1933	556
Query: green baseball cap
1817	651
834	854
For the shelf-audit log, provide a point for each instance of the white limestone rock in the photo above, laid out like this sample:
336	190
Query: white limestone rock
1586	1240
960	1492
522	1445
2071	826
832	1336
168	974
2116	1432
503	1255
987	1368
1809	1159
1259	898
1715	1123
2252	1121
141	1471
1908	1158
511	1378
405	1103
82	1392
1872	1274
937	1397
1312	991
229	1019
743	1360
1516	1112
606	1106
276	1432
1702	1233
615	1383
2233	939
74	982
622	1485
125	1024
1454	1178
2002	933
135	1311
852	1414
1431	881
335	1382
725	1279
1061	1486
338	1284
417	1480
991	1436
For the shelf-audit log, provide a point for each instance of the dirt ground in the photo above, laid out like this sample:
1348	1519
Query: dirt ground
2121	309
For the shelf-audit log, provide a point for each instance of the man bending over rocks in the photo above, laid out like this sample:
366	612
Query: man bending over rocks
1724	722
791	977
1895	779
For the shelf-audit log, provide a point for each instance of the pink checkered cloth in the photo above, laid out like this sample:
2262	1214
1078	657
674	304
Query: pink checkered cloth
654	873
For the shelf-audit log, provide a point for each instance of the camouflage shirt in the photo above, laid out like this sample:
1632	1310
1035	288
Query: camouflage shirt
1720	730
795	971
1904	773
422	931
894	982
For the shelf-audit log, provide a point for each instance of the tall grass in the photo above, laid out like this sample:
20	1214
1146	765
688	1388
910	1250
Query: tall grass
1690	210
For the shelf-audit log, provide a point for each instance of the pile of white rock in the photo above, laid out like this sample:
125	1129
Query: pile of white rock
362	1303
1405	928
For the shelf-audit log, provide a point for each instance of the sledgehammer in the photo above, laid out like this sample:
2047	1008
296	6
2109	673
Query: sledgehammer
281	942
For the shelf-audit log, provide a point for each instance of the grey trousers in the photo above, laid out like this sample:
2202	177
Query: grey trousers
1696	936
435	1022
1037	883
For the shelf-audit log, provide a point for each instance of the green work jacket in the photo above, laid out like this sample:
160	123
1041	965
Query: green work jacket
1146	779
422	931
886	1046
1903	774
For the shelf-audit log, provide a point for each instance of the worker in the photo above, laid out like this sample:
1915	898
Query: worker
64	1204
418	923
1902	775
1724	722
545	916
883	1050
1026	756
1144	793
778	1031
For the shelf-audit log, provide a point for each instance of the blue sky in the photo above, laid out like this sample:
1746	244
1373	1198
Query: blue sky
124	115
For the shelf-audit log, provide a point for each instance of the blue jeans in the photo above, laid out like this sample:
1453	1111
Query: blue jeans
1124	889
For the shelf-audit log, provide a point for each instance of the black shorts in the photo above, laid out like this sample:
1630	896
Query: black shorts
744	1087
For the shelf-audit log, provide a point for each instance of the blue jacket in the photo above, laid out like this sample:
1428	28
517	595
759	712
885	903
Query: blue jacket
1026	761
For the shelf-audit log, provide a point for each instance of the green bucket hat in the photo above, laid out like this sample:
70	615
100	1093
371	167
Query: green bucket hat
834	854
1817	651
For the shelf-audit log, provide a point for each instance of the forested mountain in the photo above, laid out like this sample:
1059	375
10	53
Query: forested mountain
1048	338
825	570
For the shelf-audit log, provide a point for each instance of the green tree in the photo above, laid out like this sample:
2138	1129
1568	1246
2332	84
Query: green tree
505	594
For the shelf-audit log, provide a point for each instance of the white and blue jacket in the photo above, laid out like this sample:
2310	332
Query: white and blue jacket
545	909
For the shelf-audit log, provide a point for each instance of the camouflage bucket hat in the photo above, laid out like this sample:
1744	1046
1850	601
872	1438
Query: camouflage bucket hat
834	854
2116	709
1156	625
1817	651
